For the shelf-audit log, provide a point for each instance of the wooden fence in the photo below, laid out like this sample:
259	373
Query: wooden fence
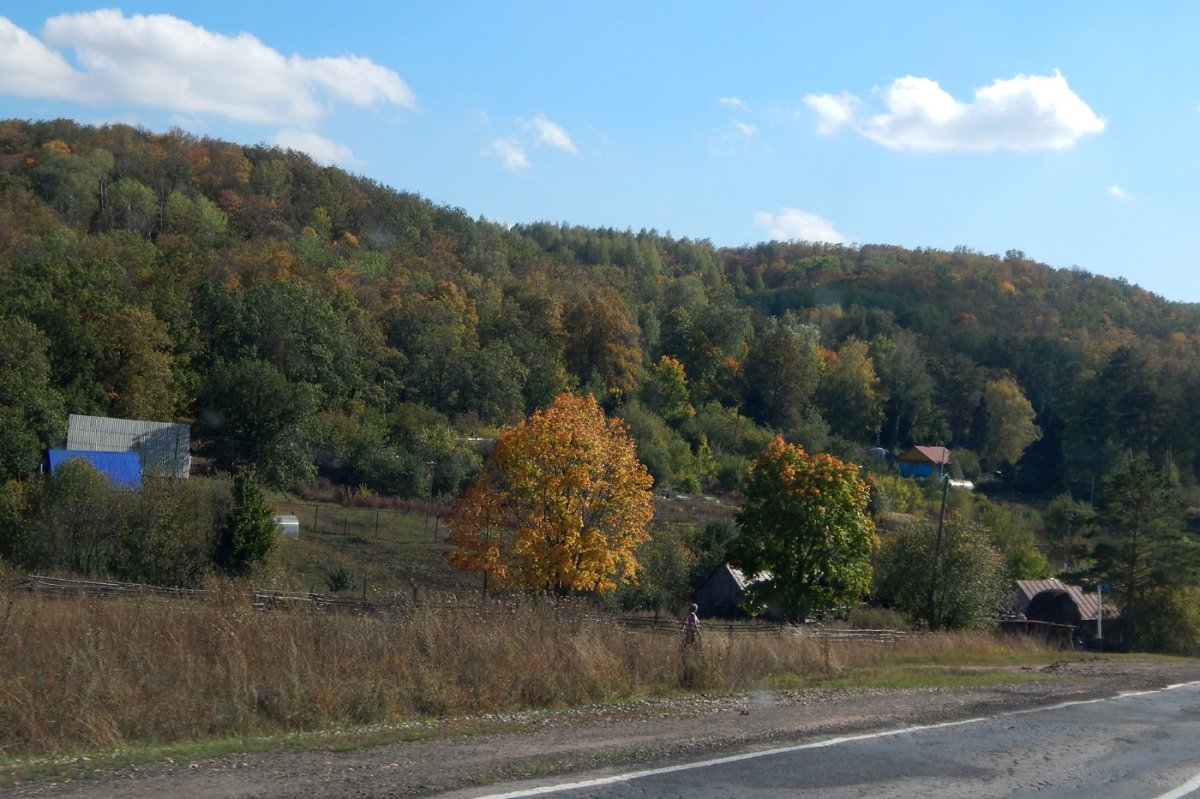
261	598
269	599
668	625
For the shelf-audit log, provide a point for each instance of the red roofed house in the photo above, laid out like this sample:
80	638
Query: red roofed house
924	462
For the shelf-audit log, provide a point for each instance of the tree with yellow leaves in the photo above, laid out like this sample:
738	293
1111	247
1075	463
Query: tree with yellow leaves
561	505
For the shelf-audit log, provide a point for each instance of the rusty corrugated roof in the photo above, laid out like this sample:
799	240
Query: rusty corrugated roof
1085	601
938	455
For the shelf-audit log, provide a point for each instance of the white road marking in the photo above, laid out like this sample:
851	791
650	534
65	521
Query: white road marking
1178	793
1182	790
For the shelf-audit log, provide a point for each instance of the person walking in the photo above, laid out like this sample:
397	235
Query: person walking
691	629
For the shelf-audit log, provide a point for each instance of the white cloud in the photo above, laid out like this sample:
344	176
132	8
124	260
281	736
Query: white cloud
323	150
163	62
551	133
744	129
513	150
510	153
792	224
29	68
733	102
1118	192
1028	112
833	111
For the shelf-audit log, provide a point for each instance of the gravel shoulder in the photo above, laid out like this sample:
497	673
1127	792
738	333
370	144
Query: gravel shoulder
458	754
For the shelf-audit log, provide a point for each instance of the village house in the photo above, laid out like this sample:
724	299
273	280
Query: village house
923	461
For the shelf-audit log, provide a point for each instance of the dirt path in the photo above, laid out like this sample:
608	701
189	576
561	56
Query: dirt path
466	752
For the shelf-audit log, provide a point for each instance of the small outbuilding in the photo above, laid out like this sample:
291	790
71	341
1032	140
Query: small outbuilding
923	461
722	594
1056	602
164	448
289	526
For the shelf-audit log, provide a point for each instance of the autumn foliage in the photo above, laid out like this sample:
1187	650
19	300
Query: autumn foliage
805	530
561	505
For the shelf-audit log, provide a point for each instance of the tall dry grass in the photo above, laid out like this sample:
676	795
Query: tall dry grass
85	673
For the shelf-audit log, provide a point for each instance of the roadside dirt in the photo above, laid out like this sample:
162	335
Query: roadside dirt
460	753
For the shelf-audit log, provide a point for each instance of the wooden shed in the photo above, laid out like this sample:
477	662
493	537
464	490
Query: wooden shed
923	461
722	593
1056	602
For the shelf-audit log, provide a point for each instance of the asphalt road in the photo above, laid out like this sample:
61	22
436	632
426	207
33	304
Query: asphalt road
1144	745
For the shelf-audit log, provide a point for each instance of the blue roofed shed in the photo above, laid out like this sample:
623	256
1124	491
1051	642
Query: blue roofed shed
123	469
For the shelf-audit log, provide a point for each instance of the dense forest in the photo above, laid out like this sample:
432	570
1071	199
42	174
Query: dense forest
315	324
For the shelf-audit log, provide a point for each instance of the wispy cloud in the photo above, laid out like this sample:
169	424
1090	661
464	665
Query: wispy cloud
163	62
733	102
833	111
793	224
1028	112
510	152
1118	192
539	131
552	134
744	129
324	150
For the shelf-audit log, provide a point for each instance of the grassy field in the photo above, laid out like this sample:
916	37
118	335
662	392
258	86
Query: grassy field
84	674
397	552
388	553
143	676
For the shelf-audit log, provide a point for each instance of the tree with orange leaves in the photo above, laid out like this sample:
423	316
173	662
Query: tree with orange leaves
561	505
805	531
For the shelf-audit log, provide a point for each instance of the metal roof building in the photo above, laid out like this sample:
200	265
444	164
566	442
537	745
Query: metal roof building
921	461
1057	595
164	448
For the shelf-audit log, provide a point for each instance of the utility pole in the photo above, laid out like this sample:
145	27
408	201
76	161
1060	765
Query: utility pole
936	569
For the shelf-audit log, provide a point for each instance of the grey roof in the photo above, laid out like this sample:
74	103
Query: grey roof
164	448
744	582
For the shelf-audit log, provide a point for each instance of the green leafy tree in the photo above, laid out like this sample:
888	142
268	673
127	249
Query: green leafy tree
1011	527
1065	522
783	368
253	417
663	451
907	389
665	391
1140	545
849	396
72	521
74	185
31	410
248	536
130	205
1010	426
168	533
805	526
948	579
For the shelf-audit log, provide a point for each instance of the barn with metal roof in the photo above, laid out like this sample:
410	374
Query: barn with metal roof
164	448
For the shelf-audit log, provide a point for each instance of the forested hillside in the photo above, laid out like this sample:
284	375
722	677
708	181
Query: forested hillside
311	322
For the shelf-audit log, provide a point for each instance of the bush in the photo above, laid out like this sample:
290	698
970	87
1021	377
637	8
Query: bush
340	579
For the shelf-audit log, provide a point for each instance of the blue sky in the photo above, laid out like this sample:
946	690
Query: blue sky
1065	130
